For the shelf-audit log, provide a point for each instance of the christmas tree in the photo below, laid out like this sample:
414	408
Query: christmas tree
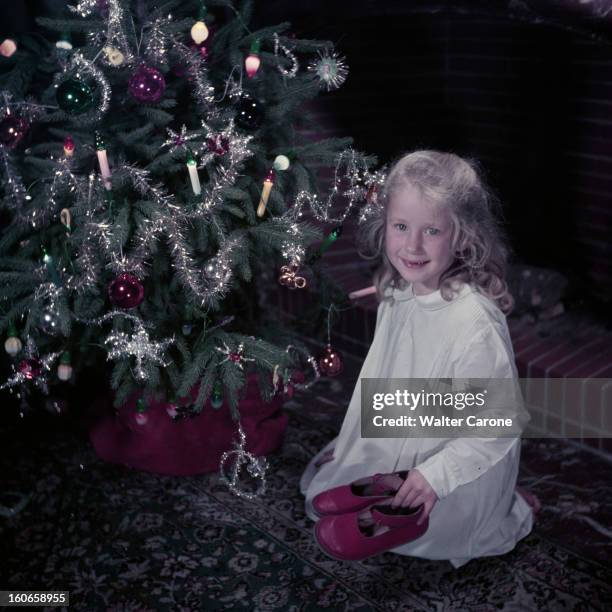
154	178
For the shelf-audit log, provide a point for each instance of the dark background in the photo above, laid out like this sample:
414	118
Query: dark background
523	87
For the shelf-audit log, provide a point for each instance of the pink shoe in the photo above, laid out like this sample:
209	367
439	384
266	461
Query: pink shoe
356	496
341	537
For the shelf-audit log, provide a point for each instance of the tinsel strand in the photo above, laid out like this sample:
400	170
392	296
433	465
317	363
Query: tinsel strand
255	466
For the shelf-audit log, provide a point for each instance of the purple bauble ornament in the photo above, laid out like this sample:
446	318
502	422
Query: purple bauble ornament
218	144
30	368
147	84
126	291
330	362
12	130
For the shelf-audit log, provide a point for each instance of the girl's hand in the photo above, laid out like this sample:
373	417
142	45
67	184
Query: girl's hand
415	491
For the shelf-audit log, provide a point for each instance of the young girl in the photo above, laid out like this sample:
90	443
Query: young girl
441	315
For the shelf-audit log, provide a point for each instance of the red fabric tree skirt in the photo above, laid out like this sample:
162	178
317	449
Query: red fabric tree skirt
191	445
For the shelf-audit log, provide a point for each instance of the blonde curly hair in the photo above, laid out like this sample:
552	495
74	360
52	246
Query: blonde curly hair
478	241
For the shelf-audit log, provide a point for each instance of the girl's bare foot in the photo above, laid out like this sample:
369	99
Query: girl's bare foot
531	498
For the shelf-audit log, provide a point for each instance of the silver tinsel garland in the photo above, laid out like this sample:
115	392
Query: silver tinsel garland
351	169
15	190
172	221
47	295
255	466
156	47
218	270
63	180
351	182
114	35
278	48
203	91
95	236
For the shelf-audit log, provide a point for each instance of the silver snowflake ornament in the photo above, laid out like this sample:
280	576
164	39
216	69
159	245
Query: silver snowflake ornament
330	68
138	345
236	356
31	368
177	141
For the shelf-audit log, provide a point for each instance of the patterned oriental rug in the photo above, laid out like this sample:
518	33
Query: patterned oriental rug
121	540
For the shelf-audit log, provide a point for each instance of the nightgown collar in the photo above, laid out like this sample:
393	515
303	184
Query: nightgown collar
431	301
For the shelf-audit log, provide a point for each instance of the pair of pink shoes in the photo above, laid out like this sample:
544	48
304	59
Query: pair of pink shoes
339	532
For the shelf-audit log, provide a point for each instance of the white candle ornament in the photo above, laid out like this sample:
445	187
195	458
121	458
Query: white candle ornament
192	166
265	193
103	161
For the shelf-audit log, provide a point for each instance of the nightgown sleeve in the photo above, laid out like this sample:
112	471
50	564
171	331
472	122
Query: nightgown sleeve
462	460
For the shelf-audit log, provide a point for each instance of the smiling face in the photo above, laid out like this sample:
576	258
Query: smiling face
418	239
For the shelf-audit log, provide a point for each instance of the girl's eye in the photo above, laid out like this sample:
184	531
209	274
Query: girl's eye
432	231
400	226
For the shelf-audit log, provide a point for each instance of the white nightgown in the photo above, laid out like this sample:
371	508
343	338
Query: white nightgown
478	512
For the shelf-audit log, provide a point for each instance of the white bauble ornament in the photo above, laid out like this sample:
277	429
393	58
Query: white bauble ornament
64	371
63	44
12	345
281	162
199	32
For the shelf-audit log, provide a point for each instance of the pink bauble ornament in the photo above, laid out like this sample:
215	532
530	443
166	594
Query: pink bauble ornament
8	47
147	84
30	368
68	146
172	410
141	418
330	361
126	291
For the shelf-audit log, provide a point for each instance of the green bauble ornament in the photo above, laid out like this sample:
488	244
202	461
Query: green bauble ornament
75	97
